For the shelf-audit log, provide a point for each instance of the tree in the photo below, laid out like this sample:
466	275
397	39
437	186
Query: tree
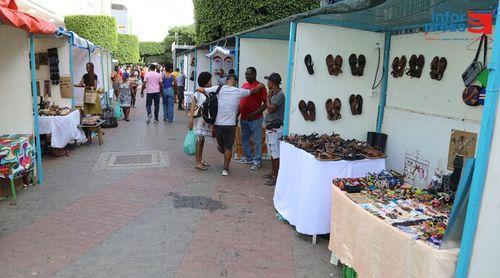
219	18
151	52
99	29
185	35
127	51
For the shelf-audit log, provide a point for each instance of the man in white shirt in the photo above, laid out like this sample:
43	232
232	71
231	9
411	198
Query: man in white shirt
228	102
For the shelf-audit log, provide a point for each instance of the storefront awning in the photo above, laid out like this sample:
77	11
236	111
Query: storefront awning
10	15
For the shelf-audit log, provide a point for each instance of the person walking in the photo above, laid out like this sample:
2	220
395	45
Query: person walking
275	105
126	97
181	82
196	122
251	109
152	85
169	85
228	100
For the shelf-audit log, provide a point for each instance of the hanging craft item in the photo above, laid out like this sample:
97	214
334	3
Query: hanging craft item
228	63
474	95
217	63
476	68
462	143
221	50
357	64
53	58
416	170
46	89
416	66
398	66
309	64
438	67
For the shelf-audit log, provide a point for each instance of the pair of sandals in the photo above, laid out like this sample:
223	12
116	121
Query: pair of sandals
356	103
309	64
334	65
438	67
308	110
357	64
333	109
398	66
416	66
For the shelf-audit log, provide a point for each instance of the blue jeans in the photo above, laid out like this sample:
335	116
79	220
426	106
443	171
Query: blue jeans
149	101
168	104
252	130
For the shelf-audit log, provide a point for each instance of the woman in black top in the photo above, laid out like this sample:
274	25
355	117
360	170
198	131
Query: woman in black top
89	82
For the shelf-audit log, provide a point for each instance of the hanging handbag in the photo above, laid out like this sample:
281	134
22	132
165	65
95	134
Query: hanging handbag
90	97
476	67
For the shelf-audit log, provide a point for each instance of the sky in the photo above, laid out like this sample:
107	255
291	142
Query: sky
151	19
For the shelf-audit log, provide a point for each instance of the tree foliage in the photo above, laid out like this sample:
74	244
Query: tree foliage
127	51
151	48
99	29
219	18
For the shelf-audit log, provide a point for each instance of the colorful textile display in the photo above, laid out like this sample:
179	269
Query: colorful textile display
16	155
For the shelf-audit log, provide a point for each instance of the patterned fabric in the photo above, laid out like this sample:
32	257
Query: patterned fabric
16	154
53	58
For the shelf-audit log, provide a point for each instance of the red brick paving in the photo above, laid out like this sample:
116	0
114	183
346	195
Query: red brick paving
243	240
46	246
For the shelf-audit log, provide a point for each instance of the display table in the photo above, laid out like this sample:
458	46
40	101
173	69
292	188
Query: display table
303	189
374	248
16	157
63	129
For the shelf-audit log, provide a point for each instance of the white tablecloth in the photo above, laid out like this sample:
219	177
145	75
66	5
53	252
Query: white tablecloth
303	189
63	129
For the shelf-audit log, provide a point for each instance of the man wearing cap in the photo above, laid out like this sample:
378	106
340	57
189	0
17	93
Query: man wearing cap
275	105
251	109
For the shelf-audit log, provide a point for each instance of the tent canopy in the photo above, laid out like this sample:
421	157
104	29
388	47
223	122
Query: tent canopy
10	15
377	16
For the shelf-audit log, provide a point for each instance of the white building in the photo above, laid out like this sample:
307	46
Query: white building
120	13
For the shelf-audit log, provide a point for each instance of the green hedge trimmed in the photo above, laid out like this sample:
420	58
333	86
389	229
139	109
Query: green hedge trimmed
99	29
127	50
151	48
218	18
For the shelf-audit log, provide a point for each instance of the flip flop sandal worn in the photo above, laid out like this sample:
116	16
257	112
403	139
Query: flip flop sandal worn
443	63
402	66
359	99
330	64
353	62
311	108
412	66
361	65
338	64
420	66
434	68
205	164
304	110
309	64
201	167
329	109
395	65
337	105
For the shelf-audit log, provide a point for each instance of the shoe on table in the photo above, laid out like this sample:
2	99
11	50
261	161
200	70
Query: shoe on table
225	172
148	119
244	161
255	166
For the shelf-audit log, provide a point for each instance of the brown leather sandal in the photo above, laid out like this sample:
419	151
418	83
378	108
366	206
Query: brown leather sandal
311	108
337	105
304	110
330	64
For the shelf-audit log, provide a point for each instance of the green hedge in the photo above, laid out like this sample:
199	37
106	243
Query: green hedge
218	18
127	50
151	48
99	29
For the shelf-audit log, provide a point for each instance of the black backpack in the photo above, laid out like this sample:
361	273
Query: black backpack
210	107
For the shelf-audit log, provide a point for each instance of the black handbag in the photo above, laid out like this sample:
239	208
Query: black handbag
476	67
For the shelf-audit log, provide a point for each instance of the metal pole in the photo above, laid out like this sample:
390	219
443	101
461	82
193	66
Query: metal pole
482	159
39	166
291	52
71	71
237	56
385	78
195	67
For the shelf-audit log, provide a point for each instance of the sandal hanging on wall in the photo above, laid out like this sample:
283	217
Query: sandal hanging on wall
412	66
330	64
395	67
434	68
359	99
309	64
361	65
353	62
329	109
311	108
303	110
337	106
420	66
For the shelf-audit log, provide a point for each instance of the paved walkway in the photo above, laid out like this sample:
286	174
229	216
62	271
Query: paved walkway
136	207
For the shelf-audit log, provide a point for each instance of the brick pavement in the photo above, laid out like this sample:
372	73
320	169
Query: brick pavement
126	222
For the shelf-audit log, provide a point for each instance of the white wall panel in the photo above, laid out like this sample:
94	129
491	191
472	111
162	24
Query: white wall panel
266	56
16	104
319	41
